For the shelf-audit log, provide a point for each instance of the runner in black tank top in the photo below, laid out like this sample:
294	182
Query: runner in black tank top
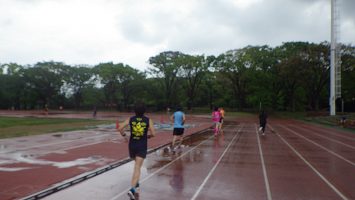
139	126
138	141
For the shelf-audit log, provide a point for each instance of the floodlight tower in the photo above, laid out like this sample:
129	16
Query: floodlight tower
335	70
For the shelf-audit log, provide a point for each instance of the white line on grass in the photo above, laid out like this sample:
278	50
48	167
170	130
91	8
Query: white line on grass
268	191
311	166
214	167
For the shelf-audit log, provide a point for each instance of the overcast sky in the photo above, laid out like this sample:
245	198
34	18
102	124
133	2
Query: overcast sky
131	31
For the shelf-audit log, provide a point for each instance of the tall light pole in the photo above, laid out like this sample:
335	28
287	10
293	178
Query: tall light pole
332	61
335	72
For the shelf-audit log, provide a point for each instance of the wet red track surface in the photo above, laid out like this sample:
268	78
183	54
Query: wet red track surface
32	164
293	160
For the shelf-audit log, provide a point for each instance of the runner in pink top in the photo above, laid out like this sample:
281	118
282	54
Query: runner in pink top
216	116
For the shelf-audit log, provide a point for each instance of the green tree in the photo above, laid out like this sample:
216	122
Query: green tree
11	86
93	96
12	68
193	70
260	60
130	81
292	62
119	83
151	93
348	75
233	70
316	73
166	67
43	81
76	79
107	74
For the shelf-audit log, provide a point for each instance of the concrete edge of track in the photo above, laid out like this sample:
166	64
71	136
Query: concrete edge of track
85	176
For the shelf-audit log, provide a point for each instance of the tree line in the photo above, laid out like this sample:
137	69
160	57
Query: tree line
291	77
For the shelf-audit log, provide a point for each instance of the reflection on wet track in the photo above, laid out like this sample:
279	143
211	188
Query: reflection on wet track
169	169
238	164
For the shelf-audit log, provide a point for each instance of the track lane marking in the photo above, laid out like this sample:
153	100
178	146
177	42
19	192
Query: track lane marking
164	167
335	134
83	139
215	166
322	147
311	166
328	138
266	180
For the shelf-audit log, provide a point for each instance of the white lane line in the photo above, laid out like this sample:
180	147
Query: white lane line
328	138
266	180
84	139
336	134
164	167
311	166
215	166
322	147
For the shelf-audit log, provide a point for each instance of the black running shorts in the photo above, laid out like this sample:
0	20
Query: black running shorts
137	151
178	131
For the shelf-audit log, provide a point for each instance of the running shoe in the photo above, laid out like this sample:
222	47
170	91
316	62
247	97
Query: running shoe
131	195
137	189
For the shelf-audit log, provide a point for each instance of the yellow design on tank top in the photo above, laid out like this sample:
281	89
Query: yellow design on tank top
138	128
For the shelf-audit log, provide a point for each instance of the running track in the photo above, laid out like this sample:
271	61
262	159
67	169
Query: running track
33	164
293	161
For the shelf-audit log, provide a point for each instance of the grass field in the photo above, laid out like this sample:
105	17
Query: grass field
322	118
15	127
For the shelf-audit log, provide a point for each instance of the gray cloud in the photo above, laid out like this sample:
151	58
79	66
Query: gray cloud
347	9
131	31
217	27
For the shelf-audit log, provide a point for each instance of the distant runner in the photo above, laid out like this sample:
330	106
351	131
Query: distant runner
216	117
94	112
221	110
178	118
262	120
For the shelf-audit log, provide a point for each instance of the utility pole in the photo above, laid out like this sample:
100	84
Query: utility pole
335	70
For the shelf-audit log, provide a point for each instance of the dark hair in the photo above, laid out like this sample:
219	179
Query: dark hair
215	108
139	109
178	108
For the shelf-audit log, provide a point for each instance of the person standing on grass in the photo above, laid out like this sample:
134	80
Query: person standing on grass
94	112
178	118
262	120
138	143
46	109
216	117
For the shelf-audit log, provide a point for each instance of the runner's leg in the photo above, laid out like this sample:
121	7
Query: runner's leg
137	171
174	141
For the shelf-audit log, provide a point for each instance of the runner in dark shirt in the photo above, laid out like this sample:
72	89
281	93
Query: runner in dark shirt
262	120
139	126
